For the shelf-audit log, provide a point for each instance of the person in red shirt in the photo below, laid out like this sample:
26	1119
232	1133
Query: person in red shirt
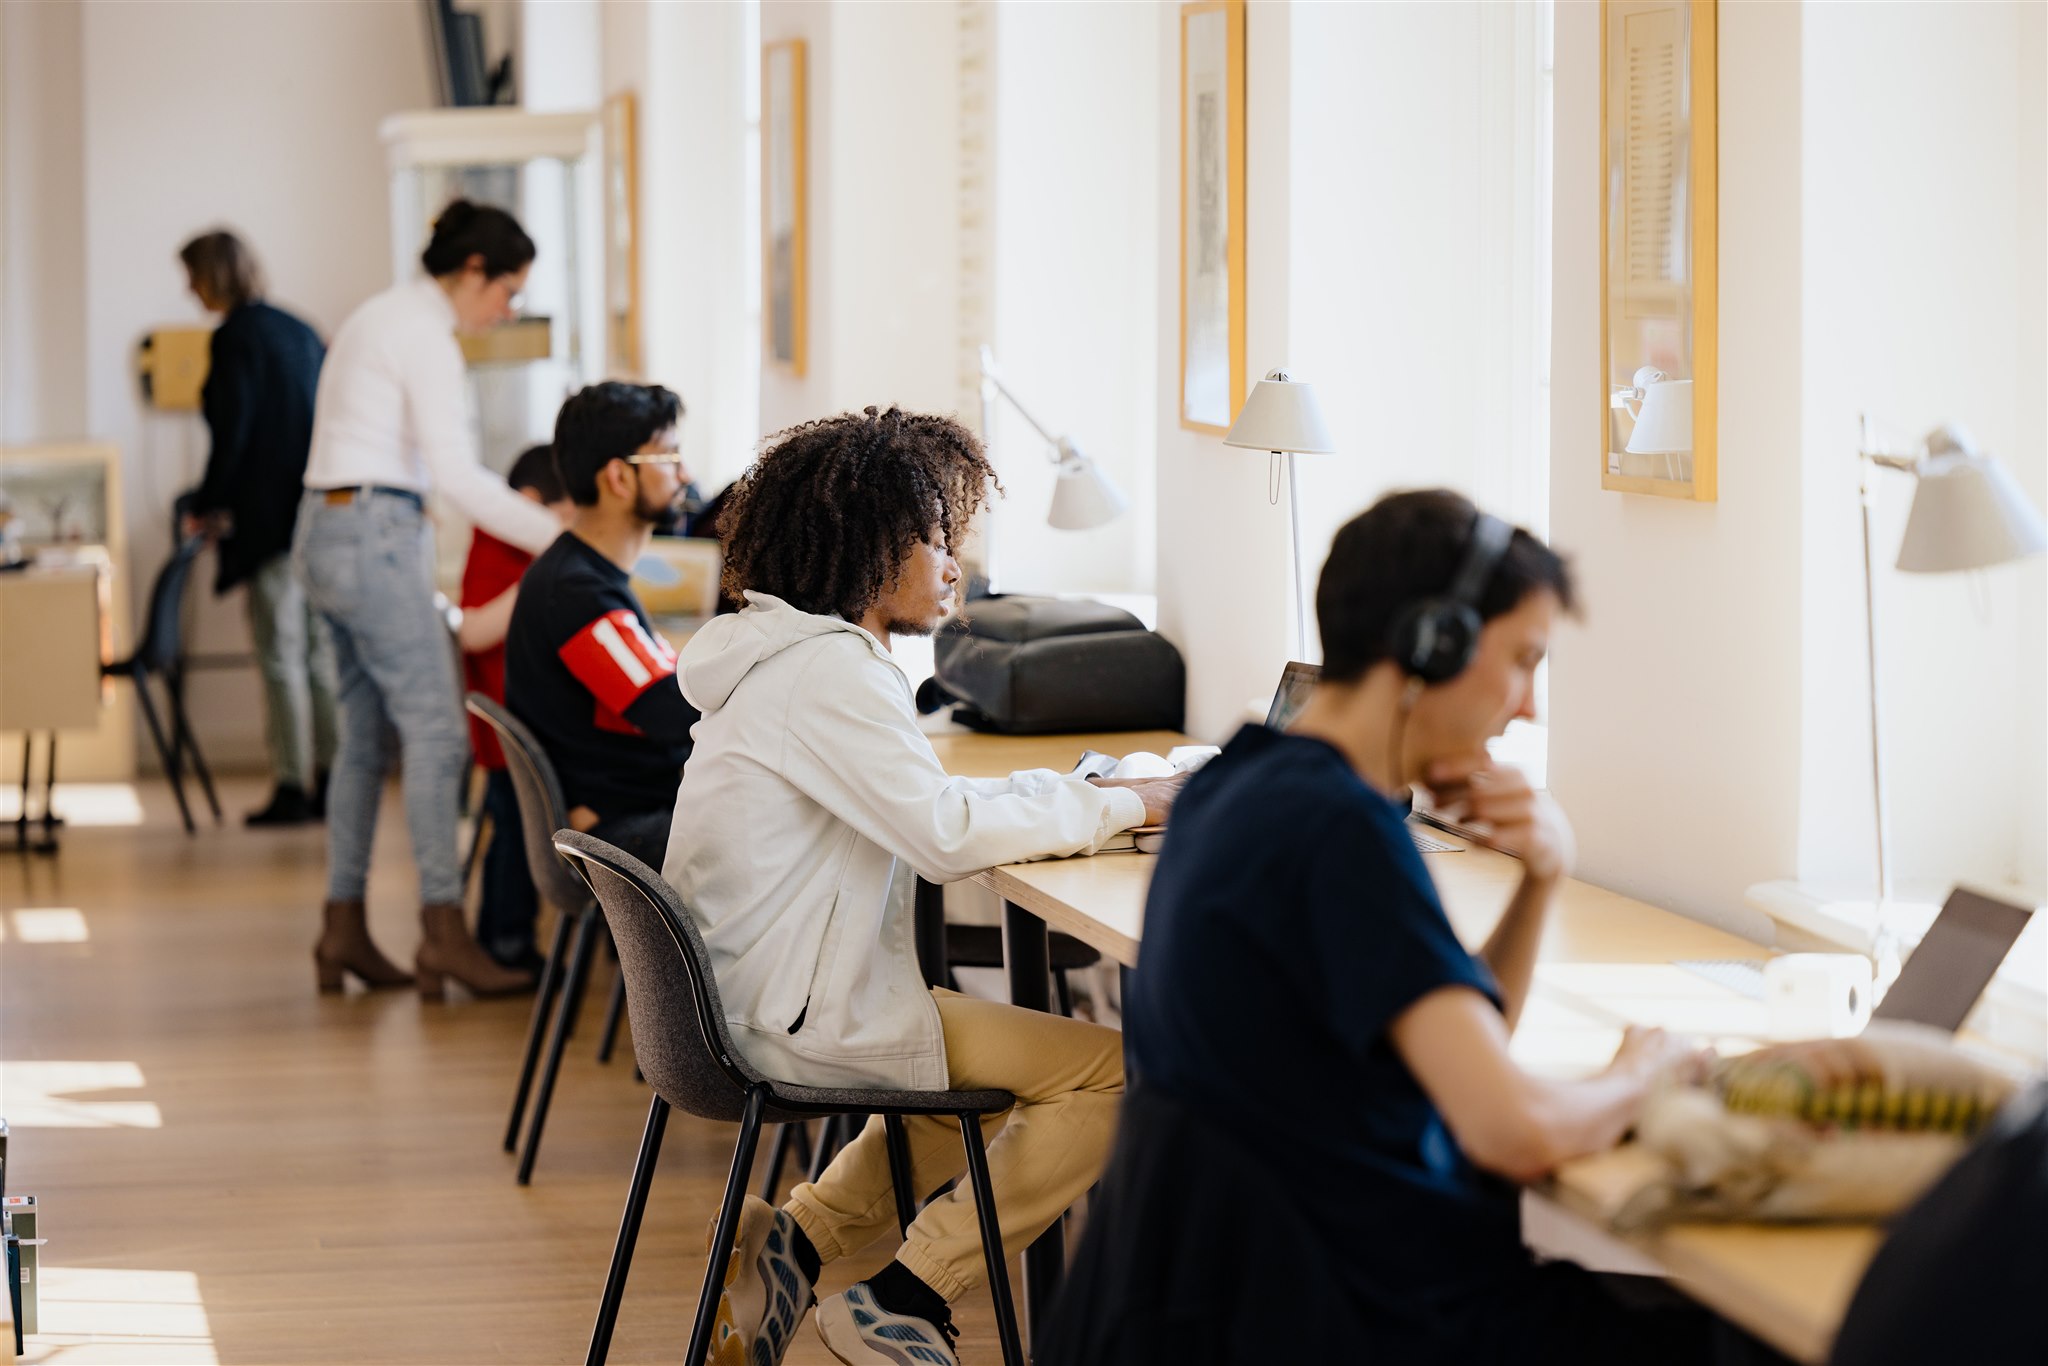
490	585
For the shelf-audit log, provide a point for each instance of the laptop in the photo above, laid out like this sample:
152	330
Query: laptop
1296	682
1942	979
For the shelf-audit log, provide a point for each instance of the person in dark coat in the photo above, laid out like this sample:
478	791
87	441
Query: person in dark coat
258	403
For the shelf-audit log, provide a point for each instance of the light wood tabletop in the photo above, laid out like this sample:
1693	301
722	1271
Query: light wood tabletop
1608	961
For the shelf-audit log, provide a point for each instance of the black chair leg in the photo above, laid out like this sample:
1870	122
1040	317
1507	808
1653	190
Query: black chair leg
728	1225
991	1240
790	1141
614	1011
579	967
828	1143
537	1028
186	738
629	1233
899	1172
1063	993
172	768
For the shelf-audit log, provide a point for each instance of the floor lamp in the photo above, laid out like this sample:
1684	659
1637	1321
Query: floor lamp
1282	416
1968	513
1083	498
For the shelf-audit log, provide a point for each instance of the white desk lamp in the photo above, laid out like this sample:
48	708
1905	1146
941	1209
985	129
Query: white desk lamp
1662	409
1283	416
1968	513
1083	496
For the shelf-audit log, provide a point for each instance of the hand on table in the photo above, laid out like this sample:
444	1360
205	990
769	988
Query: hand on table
1515	817
1655	1054
1156	793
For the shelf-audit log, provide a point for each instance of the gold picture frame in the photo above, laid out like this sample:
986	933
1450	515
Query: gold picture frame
784	207
622	234
1212	214
1659	249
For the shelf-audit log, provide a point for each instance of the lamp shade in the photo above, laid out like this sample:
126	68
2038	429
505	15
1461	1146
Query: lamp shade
1084	497
1282	414
1968	512
1664	422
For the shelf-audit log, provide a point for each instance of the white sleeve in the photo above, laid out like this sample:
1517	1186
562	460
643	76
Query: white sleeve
434	397
853	746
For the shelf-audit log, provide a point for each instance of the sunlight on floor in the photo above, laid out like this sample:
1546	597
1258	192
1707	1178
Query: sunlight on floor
49	925
82	804
106	1314
37	1096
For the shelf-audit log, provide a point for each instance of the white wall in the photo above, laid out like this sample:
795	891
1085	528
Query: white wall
1880	227
1389	311
1223	557
1075	232
1390	178
884	224
687	66
262	117
42	236
2030	357
1915	245
1675	713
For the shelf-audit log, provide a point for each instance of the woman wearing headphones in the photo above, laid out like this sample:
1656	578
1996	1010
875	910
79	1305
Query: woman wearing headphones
390	425
1290	888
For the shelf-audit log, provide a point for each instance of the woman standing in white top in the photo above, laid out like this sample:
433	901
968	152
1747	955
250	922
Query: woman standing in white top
390	424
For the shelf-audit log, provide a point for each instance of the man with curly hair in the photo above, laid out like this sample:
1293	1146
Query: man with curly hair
811	804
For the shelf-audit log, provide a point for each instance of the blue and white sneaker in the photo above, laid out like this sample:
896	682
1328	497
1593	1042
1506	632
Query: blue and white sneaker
862	1333
765	1292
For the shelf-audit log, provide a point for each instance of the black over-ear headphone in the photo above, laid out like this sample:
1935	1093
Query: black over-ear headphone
1434	637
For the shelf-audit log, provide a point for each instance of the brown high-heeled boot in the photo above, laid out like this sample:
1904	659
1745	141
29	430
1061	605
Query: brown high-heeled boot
447	950
345	946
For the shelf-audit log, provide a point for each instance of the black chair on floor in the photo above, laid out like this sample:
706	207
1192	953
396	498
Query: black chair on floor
981	946
161	653
680	1034
541	813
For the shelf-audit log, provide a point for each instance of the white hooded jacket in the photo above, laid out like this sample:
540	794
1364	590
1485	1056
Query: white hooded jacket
810	803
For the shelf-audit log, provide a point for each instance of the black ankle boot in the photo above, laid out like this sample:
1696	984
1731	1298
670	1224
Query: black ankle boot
288	806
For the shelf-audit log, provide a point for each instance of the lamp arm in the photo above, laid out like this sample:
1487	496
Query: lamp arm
990	377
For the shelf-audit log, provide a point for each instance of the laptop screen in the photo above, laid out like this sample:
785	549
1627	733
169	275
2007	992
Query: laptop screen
1945	975
1296	681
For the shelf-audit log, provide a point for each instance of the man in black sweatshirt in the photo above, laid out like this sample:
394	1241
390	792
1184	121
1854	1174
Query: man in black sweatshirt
258	402
583	667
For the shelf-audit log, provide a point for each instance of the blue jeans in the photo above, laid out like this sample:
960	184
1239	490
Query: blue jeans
505	918
368	570
297	662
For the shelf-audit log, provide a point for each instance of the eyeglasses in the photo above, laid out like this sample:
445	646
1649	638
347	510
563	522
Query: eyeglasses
657	458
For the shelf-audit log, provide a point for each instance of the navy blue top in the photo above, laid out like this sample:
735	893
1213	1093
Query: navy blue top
1290	921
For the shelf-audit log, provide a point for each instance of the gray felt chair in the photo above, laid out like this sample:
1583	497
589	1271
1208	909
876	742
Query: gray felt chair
679	1032
541	813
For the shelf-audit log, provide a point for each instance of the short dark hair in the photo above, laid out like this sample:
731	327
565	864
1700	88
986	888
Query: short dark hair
222	266
607	422
829	510
535	469
1406	547
464	230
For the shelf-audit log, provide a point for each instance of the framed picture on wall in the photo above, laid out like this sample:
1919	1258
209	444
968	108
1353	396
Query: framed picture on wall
1212	370
1659	254
783	208
622	235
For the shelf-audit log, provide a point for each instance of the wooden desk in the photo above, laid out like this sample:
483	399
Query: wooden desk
1027	957
1607	962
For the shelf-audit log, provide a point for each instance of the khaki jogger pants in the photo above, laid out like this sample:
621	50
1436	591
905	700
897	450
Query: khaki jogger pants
1043	1153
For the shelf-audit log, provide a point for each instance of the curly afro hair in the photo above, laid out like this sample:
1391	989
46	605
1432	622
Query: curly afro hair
831	507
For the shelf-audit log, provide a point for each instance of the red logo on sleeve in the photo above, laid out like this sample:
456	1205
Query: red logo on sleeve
618	660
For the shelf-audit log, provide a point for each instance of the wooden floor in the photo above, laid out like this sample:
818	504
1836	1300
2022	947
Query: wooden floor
233	1168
